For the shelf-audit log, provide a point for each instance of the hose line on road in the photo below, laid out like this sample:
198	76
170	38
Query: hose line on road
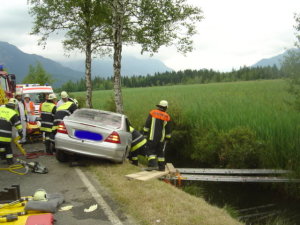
15	167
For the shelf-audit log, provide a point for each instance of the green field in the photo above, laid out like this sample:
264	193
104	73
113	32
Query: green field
260	107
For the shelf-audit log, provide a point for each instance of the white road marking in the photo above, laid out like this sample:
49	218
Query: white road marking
99	199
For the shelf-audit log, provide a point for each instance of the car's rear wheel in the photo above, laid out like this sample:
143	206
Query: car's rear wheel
61	156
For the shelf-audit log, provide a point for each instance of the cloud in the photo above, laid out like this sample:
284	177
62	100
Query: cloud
233	33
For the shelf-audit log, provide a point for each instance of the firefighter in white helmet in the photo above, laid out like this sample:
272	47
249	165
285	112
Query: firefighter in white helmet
64	98
158	131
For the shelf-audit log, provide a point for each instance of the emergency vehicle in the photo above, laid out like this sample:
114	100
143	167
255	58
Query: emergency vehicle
7	85
37	93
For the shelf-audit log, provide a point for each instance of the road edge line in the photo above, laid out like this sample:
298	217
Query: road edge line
99	199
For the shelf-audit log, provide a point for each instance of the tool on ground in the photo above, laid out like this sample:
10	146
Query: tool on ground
19	146
35	167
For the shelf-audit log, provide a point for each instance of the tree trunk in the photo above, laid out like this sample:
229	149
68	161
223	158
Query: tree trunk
88	75
118	13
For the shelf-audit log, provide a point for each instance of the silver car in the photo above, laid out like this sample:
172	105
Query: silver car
94	133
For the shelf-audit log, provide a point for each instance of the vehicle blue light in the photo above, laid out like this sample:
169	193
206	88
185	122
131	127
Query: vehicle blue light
87	135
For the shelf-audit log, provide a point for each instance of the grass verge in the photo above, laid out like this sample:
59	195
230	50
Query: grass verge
156	202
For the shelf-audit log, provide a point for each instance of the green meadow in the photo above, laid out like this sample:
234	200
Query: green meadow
222	124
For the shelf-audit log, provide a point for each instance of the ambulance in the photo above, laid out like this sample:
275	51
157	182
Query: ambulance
37	93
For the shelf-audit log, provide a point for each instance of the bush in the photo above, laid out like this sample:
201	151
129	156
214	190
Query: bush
240	149
237	148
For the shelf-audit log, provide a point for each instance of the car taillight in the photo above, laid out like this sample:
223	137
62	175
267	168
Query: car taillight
62	128
113	138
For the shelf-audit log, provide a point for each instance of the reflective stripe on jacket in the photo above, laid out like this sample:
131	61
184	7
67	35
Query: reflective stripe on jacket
48	111
64	110
8	119
157	126
138	140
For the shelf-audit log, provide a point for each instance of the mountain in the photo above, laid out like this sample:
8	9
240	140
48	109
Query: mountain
130	66
275	60
17	62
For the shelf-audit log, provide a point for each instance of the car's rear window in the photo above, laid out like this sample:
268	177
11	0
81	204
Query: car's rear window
98	117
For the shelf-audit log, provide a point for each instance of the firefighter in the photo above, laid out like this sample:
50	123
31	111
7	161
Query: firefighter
9	119
23	115
158	131
64	98
63	110
137	146
48	111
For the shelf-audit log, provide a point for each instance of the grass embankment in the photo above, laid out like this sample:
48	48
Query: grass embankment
155	202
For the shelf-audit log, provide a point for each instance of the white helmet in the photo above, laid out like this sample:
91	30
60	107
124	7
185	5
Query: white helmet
26	96
40	195
163	103
64	94
12	101
52	96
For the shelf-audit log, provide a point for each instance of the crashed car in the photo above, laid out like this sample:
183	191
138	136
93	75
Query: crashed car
94	133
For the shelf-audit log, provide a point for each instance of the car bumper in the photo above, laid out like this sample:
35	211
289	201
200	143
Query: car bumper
111	151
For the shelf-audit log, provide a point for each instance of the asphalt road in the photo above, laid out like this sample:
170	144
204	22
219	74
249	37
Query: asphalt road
79	187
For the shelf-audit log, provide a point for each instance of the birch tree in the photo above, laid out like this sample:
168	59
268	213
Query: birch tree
150	24
85	24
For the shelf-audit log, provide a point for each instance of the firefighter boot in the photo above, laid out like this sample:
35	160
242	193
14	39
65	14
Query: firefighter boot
135	162
48	146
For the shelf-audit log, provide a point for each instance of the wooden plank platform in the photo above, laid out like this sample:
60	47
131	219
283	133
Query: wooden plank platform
230	171
147	175
215	178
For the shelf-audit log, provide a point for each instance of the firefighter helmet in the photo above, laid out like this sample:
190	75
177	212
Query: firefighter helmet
163	103
64	94
40	195
52	96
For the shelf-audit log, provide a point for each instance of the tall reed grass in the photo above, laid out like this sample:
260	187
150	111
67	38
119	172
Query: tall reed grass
258	105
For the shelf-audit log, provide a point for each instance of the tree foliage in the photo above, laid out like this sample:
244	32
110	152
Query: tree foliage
291	66
93	25
84	23
180	77
37	75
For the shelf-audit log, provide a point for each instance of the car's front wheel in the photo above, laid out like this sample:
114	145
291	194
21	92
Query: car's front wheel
61	156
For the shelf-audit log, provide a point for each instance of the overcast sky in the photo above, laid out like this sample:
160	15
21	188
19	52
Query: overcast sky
233	33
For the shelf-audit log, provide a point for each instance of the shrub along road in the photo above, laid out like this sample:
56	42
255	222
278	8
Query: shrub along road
79	188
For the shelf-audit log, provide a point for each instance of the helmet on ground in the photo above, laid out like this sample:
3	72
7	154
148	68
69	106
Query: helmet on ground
64	94
163	103
40	195
52	96
26	96
12	101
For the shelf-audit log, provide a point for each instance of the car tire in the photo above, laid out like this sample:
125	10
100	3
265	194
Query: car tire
61	156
